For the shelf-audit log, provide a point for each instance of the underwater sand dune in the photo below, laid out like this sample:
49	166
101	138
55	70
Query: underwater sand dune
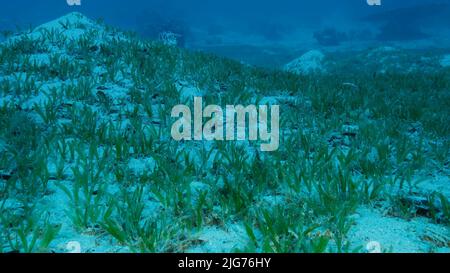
88	163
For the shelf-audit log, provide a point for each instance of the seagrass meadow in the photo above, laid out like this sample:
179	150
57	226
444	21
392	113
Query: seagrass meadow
86	153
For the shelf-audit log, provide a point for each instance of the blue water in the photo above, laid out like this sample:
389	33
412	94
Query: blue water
273	20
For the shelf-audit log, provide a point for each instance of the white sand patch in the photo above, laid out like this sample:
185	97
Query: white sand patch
445	61
71	26
310	62
221	240
140	166
440	184
187	93
90	240
398	235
